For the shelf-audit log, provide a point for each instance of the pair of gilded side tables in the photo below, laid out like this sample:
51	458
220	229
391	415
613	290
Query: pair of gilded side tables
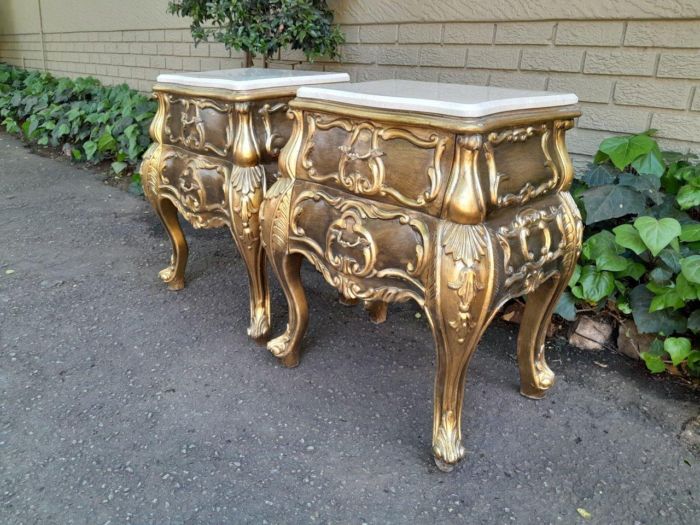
452	196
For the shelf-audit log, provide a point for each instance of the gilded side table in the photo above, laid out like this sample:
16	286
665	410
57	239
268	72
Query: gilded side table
217	136
452	196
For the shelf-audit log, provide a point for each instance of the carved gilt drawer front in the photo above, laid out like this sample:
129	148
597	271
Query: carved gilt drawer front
217	137
452	196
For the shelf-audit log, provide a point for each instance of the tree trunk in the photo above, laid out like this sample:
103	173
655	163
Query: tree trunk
248	59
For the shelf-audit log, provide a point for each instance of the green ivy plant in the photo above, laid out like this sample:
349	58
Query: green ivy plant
98	122
263	27
641	254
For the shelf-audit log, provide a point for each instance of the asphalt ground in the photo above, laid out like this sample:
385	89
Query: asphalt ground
123	402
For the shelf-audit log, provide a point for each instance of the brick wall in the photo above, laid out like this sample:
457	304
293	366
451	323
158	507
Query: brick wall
630	75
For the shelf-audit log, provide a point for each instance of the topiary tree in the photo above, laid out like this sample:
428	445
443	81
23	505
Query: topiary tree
263	27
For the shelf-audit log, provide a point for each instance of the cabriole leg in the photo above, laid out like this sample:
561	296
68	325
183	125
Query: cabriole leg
245	196
173	275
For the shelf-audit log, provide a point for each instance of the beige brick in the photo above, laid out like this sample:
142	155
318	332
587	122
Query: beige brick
129	60
420	33
447	56
378	34
116	59
142	61
696	101
424	74
191	64
676	33
351	34
216	50
131	36
524	33
181	50
464	76
368	74
230	63
398	55
149	49
490	57
589	33
676	126
588	88
165	48
115	36
620	63
611	118
156	35
581	141
173	62
514	79
209	64
468	33
555	59
173	35
358	54
200	50
653	93
679	66
135	48
124	72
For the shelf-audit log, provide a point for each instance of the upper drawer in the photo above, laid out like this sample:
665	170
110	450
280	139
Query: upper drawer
397	164
208	126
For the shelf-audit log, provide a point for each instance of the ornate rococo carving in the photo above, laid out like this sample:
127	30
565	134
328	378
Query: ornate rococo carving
192	133
372	155
265	111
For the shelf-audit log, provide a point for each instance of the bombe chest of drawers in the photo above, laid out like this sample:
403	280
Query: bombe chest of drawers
217	136
451	196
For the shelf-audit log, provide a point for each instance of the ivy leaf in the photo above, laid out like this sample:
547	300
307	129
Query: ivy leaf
566	307
627	236
623	150
694	322
690	232
678	348
90	149
611	201
118	167
575	275
599	175
634	270
657	234
647	185
654	363
596	285
664	322
690	267
688	197
612	262
669	298
650	164
600	244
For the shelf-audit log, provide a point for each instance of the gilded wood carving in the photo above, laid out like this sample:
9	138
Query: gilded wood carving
206	163
495	223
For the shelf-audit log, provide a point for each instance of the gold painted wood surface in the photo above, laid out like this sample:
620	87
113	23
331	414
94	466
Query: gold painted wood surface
214	153
459	215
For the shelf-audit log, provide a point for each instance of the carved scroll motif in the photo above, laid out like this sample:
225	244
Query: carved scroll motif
528	191
528	222
363	146
192	133
190	195
270	137
351	250
467	245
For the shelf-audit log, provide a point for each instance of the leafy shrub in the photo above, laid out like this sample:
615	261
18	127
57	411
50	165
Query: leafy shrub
98	122
641	254
262	27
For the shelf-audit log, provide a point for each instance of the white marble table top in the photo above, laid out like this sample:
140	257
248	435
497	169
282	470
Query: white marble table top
246	79
455	100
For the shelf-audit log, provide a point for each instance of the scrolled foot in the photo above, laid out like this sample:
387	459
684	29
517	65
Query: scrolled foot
169	277
377	311
542	380
447	446
259	327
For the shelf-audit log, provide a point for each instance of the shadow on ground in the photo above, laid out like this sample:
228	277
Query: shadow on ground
124	402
